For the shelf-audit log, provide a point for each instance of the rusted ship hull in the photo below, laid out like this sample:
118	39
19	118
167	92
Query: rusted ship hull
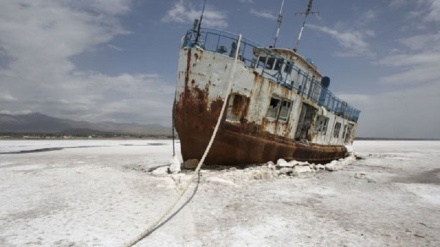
239	145
266	118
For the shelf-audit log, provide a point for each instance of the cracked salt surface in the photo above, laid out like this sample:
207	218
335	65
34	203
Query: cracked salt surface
105	195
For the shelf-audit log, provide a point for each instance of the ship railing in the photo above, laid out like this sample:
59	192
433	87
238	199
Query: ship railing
225	43
222	42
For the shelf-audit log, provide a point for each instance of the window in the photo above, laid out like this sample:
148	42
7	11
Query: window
305	121
345	131
279	64
285	110
270	62
348	136
274	107
321	124
336	130
261	61
279	109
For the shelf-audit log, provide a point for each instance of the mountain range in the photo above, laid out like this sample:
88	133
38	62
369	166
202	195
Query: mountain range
37	123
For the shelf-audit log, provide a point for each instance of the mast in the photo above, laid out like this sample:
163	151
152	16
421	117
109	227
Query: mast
200	22
307	13
280	20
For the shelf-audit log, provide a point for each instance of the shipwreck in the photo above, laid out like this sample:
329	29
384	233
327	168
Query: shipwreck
279	105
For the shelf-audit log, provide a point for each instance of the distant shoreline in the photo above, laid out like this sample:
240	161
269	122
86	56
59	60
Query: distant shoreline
82	137
40	136
393	139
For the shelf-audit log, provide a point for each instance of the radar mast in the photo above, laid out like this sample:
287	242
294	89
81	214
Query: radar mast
280	20
306	14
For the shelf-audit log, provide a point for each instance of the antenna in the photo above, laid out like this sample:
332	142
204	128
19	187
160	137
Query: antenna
280	20
307	13
200	22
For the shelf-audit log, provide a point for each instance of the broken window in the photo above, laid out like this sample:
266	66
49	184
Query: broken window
279	109
348	136
321	124
345	131
270	62
306	118
285	110
279	64
261	62
336	130
274	107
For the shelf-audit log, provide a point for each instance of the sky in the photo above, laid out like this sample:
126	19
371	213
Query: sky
116	60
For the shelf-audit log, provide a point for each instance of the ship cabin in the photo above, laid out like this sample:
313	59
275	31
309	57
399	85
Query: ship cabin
287	67
323	118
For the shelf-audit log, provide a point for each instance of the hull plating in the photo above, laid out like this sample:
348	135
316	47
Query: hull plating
237	145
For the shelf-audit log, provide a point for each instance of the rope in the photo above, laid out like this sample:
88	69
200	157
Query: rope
153	226
172	129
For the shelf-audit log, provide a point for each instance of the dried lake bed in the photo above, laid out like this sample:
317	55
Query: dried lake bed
101	193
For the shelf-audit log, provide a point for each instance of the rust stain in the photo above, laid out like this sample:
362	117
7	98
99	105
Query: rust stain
239	104
256	75
187	73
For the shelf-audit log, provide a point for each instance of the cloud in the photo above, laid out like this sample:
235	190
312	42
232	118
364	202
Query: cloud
397	3
353	42
116	48
365	18
405	113
403	60
427	10
418	63
109	7
352	36
39	38
5	96
134	95
185	12
264	14
421	42
246	1
47	34
417	55
409	107
433	10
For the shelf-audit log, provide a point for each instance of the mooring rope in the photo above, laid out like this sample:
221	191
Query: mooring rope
172	129
153	226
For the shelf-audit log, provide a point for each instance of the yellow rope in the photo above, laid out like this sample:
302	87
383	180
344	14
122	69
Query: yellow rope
159	220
